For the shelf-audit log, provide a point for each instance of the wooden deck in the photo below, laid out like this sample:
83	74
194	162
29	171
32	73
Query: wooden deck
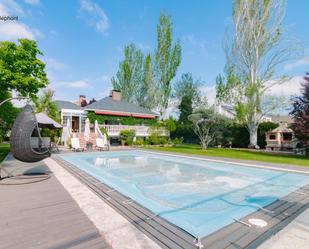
43	215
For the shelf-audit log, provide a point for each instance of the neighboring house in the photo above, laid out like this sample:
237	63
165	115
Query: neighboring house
281	119
229	112
110	113
280	139
225	110
73	113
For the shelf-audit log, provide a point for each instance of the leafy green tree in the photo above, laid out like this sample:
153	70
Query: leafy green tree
206	124
189	87
8	113
185	109
130	74
45	104
254	51
20	68
170	124
167	61
21	71
147	95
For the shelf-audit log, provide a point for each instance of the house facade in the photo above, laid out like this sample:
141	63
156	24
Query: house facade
280	139
112	113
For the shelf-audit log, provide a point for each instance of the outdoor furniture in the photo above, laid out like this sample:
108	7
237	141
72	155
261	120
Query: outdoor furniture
76	145
54	145
21	137
101	144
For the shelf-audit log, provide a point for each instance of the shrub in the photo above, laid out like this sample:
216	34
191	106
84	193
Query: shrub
139	141
186	132
153	139
126	137
177	141
163	140
170	124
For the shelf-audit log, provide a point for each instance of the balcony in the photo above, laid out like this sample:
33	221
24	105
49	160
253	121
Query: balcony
140	131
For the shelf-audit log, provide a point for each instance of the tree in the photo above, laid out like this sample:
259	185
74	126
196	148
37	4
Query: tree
300	114
170	124
129	77
185	109
167	61
255	50
205	125
21	71
8	113
45	104
189	87
20	68
147	95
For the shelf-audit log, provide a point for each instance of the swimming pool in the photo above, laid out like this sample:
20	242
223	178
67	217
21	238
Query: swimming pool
199	196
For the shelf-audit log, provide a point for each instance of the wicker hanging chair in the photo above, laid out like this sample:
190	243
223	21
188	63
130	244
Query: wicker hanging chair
24	127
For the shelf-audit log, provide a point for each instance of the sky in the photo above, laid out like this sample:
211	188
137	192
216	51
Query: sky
83	40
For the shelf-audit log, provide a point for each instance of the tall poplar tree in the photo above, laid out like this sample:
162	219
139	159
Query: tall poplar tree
255	50
167	61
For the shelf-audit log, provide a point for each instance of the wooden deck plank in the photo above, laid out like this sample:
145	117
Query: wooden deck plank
43	215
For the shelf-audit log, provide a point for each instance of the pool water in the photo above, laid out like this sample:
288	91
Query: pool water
199	196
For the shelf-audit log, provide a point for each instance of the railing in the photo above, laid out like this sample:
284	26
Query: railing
140	131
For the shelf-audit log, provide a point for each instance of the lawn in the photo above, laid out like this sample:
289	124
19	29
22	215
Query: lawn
4	150
237	154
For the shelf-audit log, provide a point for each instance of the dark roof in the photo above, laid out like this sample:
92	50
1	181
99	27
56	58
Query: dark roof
281	118
63	104
109	104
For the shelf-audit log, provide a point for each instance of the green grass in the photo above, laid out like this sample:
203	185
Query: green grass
237	154
4	150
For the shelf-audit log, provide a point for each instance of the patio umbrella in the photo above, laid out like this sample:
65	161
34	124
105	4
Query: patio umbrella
96	128
87	130
98	132
66	133
46	122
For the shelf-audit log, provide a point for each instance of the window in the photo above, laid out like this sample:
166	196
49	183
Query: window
287	136
272	137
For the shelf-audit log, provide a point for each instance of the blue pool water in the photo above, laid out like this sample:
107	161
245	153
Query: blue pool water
199	196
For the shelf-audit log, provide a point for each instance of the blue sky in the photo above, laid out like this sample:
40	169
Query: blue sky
82	40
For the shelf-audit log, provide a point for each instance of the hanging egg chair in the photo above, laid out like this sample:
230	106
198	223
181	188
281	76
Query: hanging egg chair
24	129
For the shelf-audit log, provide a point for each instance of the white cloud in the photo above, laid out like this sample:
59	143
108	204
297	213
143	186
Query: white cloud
11	7
13	30
32	2
94	15
209	92
76	84
301	62
289	88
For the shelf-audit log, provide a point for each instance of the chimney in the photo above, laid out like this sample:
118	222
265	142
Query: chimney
116	95
82	100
